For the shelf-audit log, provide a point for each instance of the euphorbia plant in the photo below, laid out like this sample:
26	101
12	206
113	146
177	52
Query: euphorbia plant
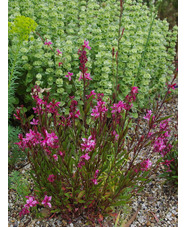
85	162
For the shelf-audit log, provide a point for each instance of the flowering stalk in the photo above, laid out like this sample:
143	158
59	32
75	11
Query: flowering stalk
120	35
49	43
84	75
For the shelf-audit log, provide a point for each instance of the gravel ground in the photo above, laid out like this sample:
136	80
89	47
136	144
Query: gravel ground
158	203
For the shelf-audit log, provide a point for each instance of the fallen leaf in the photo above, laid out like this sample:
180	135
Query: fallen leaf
131	220
154	216
101	217
45	212
117	219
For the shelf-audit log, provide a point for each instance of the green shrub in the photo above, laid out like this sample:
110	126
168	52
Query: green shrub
146	51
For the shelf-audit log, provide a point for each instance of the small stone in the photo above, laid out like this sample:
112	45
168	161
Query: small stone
64	222
148	223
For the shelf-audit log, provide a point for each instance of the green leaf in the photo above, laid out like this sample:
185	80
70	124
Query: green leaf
67	111
135	115
81	194
164	118
67	195
120	203
117	220
55	211
81	201
145	173
150	120
141	189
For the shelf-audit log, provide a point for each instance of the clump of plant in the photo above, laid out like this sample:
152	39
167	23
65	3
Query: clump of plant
20	184
145	51
85	158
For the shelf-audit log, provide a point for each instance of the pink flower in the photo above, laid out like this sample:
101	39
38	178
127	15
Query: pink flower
47	151
34	122
150	134
96	173
89	144
60	63
22	143
172	86
119	107
94	181
159	145
99	110
50	139
60	153
24	211
55	157
167	162
77	114
69	76
51	178
52	107
32	138
46	201
145	165
164	124
87	76
30	202
18	114
92	93
100	96
86	44
48	43
59	52
134	90
81	76
115	134
80	164
148	115
167	134
86	157
166	150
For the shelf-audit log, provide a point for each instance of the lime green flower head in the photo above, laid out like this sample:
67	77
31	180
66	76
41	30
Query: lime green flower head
22	26
39	76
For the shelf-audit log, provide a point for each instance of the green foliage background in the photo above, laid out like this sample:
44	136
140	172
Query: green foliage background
146	53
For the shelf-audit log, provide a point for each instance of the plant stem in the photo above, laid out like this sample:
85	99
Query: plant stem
14	65
118	46
146	44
